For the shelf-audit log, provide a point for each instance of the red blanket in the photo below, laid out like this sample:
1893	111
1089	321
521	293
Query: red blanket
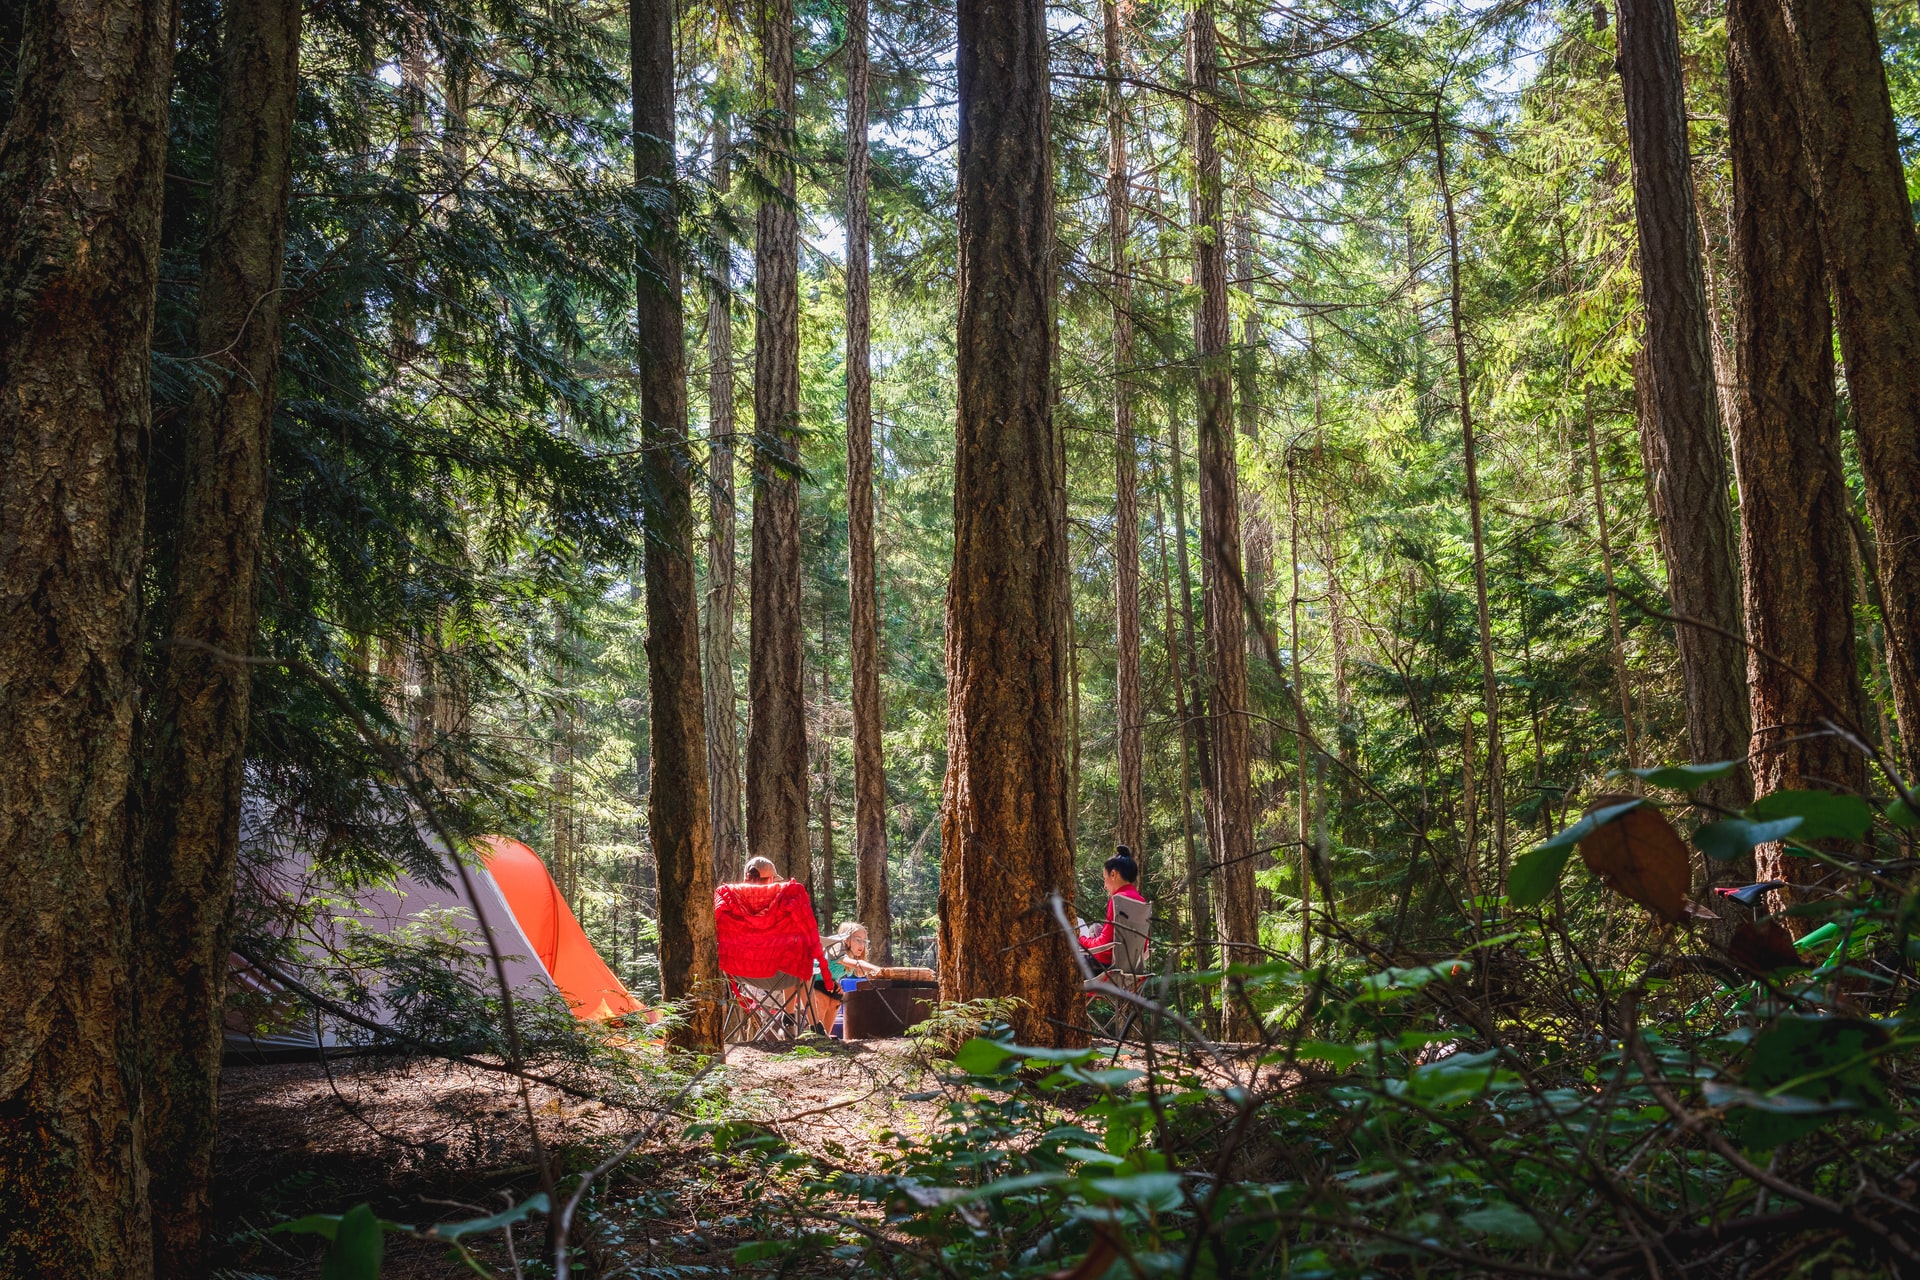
766	930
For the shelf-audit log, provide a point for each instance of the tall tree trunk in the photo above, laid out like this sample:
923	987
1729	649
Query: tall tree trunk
1348	738
82	161
196	729
1682	435
1007	813
1222	581
1257	529
1794	535
777	729
1192	710
1618	646
871	904
1197	917
723	739
677	815
1130	722
825	902
1304	823
1490	687
1860	185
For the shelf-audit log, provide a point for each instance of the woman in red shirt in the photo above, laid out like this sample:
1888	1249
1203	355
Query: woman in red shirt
1120	872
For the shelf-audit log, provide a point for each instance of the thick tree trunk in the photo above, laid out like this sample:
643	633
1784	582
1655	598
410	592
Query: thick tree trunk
1490	687
1860	185
1130	722
1794	535
869	763
677	815
1222	580
1682	435
196	729
723	739
1007	811
82	161
777	728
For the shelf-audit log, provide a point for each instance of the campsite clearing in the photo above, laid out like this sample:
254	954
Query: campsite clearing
423	1141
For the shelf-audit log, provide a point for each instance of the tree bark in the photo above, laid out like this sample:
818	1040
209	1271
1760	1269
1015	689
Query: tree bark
1256	531
825	901
1304	821
1197	917
1007	811
777	729
1130	723
723	739
678	819
1683	436
1794	535
196	729
1490	686
1860	186
1613	601
869	763
82	161
1223	584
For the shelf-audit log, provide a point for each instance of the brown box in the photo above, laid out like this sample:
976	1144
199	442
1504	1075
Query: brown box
882	1008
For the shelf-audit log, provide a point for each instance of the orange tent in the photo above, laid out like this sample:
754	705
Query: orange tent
590	988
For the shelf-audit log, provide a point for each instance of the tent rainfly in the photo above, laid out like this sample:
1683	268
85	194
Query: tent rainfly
546	952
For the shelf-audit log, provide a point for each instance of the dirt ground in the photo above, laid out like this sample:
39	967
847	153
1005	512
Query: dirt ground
425	1141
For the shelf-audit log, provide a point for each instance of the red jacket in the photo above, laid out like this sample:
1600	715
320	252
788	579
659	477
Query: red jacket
1100	945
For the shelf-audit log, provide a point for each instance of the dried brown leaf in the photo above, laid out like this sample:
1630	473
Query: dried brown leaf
1640	856
1099	1258
1763	948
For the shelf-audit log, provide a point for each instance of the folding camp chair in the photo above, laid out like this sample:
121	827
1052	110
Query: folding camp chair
1112	1018
777	1011
769	949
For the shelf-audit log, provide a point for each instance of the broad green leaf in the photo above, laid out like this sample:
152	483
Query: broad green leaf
1091	1155
1732	838
1827	815
1005	1187
1831	1062
1686	777
1504	1221
759	1251
1048	1055
1588	825
325	1225
358	1243
1723	1095
1456	1078
981	1057
314	1224
1534	874
1901	815
506	1217
1340	1055
1160	1189
1391	984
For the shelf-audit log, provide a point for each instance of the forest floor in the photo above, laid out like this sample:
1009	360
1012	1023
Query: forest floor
427	1141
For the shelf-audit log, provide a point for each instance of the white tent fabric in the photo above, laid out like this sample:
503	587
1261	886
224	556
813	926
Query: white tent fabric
315	912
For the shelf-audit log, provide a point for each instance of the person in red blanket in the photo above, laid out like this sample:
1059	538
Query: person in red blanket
1120	872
